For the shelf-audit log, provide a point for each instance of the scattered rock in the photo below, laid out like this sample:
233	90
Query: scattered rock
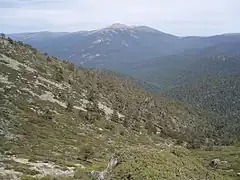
43	168
101	175
215	162
97	175
9	174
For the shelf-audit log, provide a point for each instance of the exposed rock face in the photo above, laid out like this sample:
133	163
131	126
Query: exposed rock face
102	175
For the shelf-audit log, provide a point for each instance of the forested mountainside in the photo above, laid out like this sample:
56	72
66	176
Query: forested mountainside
219	94
61	121
187	67
207	79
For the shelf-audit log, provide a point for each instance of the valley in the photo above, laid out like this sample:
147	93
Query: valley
126	103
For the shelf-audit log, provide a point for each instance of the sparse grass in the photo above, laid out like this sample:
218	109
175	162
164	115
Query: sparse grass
152	164
4	144
231	154
25	177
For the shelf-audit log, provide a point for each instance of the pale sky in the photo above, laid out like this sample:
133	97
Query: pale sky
179	17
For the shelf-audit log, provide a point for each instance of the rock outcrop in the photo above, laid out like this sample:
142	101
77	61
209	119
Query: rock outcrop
103	175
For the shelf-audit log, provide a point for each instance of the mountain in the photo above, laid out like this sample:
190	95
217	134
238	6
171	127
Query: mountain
189	66
63	122
117	46
104	47
184	71
206	78
37	36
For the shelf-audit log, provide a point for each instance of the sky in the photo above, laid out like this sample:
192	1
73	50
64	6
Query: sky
178	17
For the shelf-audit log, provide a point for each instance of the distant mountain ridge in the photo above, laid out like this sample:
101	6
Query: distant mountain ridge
117	45
102	47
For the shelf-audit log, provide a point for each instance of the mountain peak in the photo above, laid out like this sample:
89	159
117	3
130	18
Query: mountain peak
118	26
145	29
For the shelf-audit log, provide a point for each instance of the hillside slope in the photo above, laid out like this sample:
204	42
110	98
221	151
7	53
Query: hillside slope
63	121
219	94
175	70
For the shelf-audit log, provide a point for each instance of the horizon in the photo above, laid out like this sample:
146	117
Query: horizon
107	26
181	18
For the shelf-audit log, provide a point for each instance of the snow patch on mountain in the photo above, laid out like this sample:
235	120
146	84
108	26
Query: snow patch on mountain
97	41
124	43
134	36
90	47
85	55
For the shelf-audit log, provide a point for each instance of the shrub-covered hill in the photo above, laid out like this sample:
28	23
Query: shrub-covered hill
60	120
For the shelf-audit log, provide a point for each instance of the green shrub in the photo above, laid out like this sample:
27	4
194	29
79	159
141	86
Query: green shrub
151	129
48	115
92	96
125	122
49	59
87	152
11	41
59	77
122	133
115	117
38	54
69	106
109	126
20	43
136	126
179	151
71	67
81	174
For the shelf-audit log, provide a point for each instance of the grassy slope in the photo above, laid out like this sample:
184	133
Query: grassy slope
230	154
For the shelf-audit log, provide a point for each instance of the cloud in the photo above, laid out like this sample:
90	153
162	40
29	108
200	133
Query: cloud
183	17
